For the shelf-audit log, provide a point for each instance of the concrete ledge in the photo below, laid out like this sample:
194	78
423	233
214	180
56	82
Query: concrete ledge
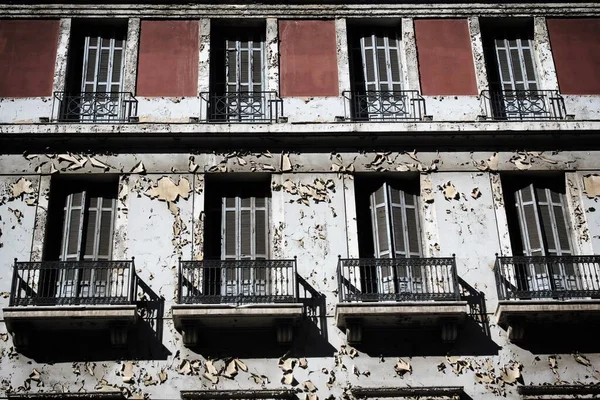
225	315
405	313
67	317
539	310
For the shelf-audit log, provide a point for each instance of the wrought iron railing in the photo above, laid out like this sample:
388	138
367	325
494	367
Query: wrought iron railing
563	277
241	107
237	281
73	282
384	105
523	105
94	107
397	279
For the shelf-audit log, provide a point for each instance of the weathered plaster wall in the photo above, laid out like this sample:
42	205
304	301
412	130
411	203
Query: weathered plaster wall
445	57
168	59
27	51
583	107
168	109
308	70
452	108
159	218
15	110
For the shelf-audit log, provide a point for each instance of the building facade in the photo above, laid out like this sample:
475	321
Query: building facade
315	200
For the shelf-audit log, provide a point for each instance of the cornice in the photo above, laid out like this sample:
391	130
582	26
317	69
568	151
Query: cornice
188	11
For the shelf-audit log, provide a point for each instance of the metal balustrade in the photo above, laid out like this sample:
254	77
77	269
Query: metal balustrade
241	107
237	281
94	107
384	105
397	279
537	277
73	283
523	105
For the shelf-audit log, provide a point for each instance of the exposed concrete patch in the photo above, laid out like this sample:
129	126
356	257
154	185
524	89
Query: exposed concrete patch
580	233
343	63
409	57
591	185
203	62
478	57
272	47
62	55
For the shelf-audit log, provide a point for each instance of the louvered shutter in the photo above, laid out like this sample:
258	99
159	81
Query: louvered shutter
532	237
245	238
73	219
382	235
516	65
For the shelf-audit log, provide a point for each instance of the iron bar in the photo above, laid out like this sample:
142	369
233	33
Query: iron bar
384	105
523	105
398	279
241	107
73	283
538	277
237	281
94	107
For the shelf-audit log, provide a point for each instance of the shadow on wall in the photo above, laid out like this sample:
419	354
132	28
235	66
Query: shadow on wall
144	338
474	338
560	339
310	335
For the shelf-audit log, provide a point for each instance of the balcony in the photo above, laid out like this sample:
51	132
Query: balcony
241	107
237	294
384	106
72	295
401	293
523	105
546	290
94	107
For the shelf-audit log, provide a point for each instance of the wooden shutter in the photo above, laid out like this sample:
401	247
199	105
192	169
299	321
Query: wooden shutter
516	65
529	220
245	65
244	237
381	61
102	64
73	226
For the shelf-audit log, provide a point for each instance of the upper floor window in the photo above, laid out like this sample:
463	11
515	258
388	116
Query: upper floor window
513	73
238	74
94	83
377	79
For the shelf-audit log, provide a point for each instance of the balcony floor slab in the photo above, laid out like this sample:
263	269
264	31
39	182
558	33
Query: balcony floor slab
405	314
547	310
234	316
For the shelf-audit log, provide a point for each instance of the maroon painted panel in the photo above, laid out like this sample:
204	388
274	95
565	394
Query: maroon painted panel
308	58
576	51
28	56
445	57
168	59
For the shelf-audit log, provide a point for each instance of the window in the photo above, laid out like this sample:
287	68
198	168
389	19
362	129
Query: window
388	223
238	73
538	225
237	228
83	214
94	88
512	72
377	74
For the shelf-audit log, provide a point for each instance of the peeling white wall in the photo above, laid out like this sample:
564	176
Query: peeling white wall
168	109
18	110
452	108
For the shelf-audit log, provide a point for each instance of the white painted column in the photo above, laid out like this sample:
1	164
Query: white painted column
478	57
410	59
62	54
580	236
272	48
119	244
429	227
198	216
41	217
132	45
351	224
543	55
343	61
203	65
